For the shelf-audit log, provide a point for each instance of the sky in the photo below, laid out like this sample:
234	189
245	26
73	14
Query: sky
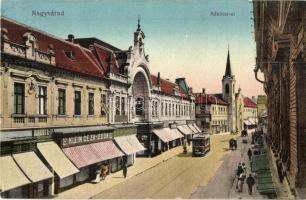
183	38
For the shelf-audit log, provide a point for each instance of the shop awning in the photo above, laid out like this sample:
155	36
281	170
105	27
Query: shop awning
57	159
88	154
175	134
185	130
197	128
188	129
129	144
192	128
32	166
163	134
10	175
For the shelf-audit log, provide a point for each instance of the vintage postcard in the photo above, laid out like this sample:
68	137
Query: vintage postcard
153	99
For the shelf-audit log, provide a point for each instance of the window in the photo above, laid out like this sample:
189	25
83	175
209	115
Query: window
91	104
18	98
61	101
170	109
122	106
156	108
166	113
42	100
103	104
226	88
77	102
33	48
139	106
162	109
117	105
173	110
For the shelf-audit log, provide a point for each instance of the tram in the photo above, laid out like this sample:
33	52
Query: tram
200	144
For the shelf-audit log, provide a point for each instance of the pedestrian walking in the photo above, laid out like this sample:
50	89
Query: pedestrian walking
250	181
241	181
104	171
124	169
244	167
238	172
250	153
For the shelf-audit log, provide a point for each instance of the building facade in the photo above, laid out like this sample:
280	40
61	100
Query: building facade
280	46
211	113
71	107
226	111
261	104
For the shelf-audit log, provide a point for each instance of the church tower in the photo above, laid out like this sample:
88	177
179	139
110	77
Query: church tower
228	94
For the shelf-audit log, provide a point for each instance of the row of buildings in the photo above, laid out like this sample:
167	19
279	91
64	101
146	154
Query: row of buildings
69	107
280	55
229	111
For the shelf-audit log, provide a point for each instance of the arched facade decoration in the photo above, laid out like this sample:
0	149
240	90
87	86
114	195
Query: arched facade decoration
141	92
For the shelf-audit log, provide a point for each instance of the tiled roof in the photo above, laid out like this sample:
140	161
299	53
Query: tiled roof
86	42
167	87
249	103
209	99
83	61
103	55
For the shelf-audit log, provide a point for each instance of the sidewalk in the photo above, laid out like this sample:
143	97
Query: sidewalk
245	193
88	190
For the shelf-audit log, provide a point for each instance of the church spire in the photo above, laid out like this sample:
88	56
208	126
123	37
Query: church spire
138	25
228	70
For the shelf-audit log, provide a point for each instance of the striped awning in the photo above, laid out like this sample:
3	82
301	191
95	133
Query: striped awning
163	134
192	128
10	174
197	128
185	130
129	144
32	166
88	154
175	134
167	134
57	159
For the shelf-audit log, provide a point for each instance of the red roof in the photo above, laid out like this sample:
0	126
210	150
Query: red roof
103	55
83	61
249	103
167	87
201	98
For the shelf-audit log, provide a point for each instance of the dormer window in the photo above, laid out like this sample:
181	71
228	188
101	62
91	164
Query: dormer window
31	42
32	47
70	54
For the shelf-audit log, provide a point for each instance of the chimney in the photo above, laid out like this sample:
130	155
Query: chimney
203	90
158	79
71	38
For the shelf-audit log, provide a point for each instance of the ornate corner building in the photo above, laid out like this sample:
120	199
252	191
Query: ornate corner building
280	55
70	107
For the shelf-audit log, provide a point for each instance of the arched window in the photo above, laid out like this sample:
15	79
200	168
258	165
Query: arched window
226	88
